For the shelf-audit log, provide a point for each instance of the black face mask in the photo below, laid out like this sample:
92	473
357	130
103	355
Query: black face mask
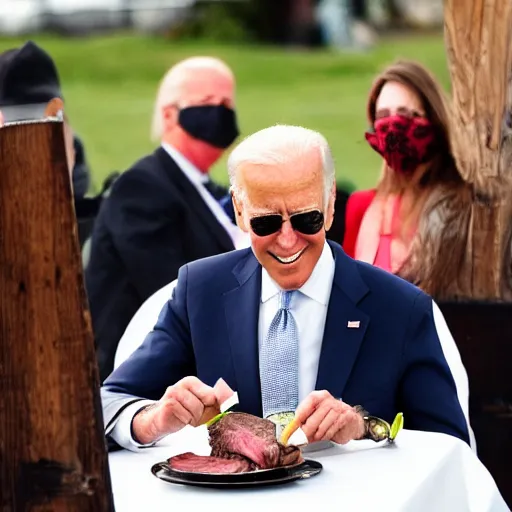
214	124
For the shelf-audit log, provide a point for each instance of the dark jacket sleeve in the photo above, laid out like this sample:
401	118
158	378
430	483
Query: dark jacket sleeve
81	175
166	355
144	220
428	395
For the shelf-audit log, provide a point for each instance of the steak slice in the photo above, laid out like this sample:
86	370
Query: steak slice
253	438
190	462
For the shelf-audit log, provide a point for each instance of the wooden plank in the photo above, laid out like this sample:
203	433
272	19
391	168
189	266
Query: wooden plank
478	36
52	448
469	257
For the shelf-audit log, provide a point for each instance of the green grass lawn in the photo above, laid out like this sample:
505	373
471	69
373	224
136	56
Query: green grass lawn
110	84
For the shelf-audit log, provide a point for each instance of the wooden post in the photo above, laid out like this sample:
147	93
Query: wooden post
52	450
478	36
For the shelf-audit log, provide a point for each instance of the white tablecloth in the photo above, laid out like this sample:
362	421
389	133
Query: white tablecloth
422	472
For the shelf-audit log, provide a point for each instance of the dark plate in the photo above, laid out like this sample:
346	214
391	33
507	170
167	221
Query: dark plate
263	477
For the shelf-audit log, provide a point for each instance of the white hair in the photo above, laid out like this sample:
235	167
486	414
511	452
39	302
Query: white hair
171	87
276	146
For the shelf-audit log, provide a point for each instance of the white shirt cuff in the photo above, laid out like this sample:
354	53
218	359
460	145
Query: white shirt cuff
122	431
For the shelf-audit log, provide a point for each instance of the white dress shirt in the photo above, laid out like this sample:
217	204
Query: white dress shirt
240	239
309	308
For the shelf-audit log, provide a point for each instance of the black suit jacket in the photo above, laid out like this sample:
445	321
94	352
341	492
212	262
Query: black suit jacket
153	222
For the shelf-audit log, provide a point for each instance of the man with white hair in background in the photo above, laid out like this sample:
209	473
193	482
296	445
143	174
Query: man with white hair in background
292	324
164	211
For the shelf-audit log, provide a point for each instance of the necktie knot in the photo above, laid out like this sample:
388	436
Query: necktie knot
285	300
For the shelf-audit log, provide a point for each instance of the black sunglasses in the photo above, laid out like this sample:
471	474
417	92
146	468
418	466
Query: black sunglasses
307	223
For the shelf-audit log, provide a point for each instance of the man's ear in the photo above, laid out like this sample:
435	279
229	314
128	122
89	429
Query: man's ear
54	108
169	117
329	214
239	212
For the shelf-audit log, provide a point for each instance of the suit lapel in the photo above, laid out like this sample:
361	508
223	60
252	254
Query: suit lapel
341	341
345	326
194	200
242	315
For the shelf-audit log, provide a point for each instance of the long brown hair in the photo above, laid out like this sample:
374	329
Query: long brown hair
437	110
442	170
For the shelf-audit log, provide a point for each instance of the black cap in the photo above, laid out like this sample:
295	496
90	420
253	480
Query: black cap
27	75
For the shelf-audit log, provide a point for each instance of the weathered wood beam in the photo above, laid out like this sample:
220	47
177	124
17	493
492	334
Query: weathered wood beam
478	37
52	449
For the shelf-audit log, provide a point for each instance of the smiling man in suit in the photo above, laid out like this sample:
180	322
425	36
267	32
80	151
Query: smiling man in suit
291	324
164	211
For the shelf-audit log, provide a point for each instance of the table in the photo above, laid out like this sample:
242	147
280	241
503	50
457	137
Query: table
422	472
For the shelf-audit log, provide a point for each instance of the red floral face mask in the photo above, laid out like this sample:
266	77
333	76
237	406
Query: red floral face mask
404	142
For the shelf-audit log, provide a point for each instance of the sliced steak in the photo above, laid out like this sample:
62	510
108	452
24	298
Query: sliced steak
253	438
190	462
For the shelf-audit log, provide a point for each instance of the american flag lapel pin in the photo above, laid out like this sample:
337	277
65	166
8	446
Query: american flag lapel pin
353	324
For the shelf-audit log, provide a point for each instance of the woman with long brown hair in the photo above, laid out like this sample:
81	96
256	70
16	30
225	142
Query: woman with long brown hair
409	118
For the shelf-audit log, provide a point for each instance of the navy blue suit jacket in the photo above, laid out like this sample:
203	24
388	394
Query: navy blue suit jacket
393	362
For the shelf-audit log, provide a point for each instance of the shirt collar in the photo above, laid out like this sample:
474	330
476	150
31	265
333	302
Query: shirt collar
188	168
317	287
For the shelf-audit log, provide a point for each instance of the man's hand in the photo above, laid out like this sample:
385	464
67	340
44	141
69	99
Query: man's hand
324	418
182	404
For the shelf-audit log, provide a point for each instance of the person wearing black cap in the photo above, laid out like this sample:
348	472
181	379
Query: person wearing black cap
28	81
